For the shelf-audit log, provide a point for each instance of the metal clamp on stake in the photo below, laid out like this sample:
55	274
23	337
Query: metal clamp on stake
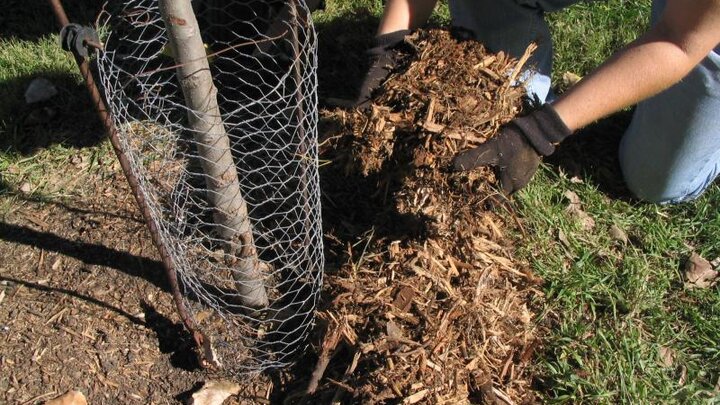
79	40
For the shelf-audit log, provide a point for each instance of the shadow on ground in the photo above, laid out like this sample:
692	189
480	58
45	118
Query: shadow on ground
67	119
30	20
341	53
592	155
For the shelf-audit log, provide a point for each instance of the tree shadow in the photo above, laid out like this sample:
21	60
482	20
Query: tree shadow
172	338
31	20
35	286
67	119
89	253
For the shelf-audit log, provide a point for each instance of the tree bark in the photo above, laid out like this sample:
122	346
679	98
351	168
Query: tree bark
230	215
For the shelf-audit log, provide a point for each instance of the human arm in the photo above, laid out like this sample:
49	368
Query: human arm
399	18
405	15
686	32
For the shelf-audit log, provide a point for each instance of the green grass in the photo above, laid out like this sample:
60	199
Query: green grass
44	159
610	307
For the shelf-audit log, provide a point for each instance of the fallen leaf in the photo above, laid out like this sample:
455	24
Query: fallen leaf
699	272
683	376
210	356
69	398
572	197
574	209
587	222
618	234
667	356
214	393
570	79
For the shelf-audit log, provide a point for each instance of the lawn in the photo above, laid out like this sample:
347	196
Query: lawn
621	325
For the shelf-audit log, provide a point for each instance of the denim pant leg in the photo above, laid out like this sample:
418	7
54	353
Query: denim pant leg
510	26
671	151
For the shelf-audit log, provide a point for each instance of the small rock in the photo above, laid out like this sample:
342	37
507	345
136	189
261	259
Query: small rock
40	89
572	197
25	188
393	331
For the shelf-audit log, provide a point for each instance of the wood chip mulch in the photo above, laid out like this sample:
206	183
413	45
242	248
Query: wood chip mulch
428	303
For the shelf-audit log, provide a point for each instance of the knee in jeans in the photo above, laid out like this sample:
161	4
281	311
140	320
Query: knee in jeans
654	189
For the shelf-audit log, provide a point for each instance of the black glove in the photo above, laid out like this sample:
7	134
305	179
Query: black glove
515	151
381	63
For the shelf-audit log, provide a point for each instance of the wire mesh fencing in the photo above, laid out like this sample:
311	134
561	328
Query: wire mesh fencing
229	171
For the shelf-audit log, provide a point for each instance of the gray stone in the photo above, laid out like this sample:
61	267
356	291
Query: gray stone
40	89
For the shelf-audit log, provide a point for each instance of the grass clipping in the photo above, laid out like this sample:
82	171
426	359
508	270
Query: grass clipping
428	305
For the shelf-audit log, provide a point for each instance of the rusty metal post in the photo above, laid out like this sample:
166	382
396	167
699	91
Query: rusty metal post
200	339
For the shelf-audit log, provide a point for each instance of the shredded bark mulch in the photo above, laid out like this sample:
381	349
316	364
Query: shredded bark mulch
428	304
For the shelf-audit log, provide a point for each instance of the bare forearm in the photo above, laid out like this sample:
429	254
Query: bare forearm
405	14
687	32
641	70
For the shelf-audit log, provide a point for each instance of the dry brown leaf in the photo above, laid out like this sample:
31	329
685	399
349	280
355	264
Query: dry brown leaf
572	197
574	209
667	356
69	398
699	272
683	376
570	79
618	234
214	393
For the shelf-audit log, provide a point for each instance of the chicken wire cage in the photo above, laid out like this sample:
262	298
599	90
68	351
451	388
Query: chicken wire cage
238	212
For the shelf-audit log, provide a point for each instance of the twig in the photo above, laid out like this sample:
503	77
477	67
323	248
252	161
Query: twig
521	62
229	48
332	338
503	396
346	375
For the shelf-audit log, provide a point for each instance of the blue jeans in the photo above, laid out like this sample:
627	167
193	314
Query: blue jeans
671	151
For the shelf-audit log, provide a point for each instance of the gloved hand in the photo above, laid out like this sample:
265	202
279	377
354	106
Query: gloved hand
381	63
516	150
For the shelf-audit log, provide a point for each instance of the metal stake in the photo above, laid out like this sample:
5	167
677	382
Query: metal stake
200	339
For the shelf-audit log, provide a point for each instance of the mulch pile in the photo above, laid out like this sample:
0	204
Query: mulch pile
428	304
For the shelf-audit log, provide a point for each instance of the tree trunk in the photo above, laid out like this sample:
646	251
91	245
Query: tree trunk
213	145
